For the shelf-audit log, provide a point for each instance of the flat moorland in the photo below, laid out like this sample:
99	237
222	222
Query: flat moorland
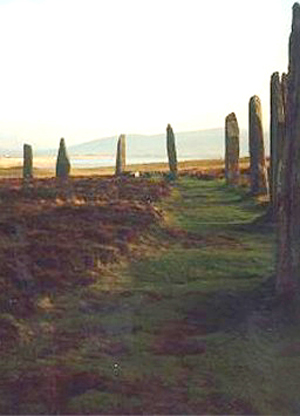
137	296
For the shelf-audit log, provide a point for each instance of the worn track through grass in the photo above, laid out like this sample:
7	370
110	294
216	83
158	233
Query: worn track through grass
180	326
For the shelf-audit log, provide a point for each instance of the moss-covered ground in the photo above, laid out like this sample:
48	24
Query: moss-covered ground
183	325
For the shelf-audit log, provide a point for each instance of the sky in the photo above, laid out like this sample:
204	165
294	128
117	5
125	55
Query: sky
86	69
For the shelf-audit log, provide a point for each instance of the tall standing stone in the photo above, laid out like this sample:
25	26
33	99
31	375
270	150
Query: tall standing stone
171	149
284	90
288	249
232	149
121	155
27	162
258	171
277	131
62	163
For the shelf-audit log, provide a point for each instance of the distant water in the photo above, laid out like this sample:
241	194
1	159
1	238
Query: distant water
86	162
108	162
94	162
91	163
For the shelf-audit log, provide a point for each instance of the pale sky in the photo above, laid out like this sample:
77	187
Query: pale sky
85	69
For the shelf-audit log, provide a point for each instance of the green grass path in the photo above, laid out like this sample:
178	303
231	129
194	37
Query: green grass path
175	331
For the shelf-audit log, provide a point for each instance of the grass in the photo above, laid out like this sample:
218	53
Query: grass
181	327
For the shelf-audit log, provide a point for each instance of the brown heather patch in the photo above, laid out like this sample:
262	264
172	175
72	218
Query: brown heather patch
48	242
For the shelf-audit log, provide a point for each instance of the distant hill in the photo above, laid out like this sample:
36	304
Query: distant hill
204	144
199	144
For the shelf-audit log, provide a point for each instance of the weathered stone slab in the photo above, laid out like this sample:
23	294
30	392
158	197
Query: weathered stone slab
232	149
27	162
288	249
121	155
277	131
63	165
258	171
171	149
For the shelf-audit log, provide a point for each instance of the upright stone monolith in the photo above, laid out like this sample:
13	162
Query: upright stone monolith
121	155
258	171
27	162
232	149
62	163
288	249
284	90
171	149
277	131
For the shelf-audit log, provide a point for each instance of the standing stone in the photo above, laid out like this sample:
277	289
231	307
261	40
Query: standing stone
277	130
232	149
62	163
258	171
171	149
280	160
284	90
27	162
288	249
121	155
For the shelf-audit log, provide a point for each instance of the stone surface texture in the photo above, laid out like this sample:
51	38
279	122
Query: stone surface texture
171	149
232	149
258	171
27	162
277	132
288	248
63	165
121	155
